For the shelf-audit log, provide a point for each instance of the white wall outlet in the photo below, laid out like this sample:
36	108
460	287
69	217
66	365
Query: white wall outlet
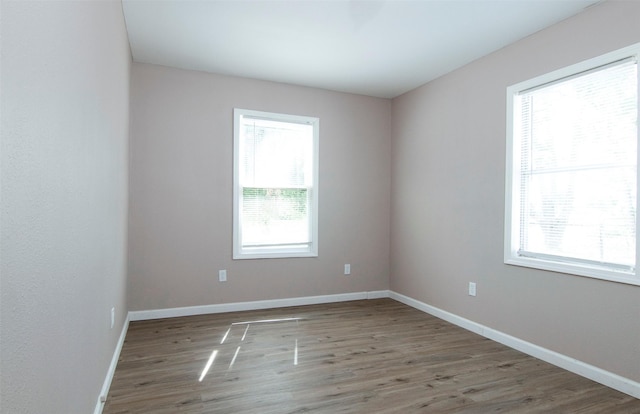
472	289
222	275
347	269
113	317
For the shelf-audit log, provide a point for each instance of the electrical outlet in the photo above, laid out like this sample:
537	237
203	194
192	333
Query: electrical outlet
222	275
113	317
472	289
347	269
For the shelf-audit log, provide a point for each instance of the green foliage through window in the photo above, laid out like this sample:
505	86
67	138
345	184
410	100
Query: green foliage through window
265	204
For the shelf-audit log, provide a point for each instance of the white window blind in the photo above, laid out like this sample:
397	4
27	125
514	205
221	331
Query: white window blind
574	166
276	194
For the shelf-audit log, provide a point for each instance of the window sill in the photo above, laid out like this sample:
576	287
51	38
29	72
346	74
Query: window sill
272	253
575	269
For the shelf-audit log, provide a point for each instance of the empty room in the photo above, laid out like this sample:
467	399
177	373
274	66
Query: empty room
319	206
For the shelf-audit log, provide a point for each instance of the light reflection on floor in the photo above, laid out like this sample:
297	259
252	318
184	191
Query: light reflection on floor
208	365
247	324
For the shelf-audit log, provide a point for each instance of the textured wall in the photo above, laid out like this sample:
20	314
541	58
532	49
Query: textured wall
65	104
181	191
448	169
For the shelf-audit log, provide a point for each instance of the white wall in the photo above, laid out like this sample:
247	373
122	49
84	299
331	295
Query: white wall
181	191
448	168
65	104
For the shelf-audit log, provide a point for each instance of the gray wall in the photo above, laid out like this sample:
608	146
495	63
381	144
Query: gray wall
448	202
180	231
65	106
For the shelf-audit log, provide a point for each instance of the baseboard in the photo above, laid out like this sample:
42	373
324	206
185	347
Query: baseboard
112	369
254	305
378	294
591	372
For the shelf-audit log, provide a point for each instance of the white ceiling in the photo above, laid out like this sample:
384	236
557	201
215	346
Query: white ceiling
377	48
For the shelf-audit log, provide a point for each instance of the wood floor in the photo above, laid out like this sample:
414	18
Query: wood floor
375	356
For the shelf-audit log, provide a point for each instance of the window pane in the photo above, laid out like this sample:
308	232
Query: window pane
578	167
276	154
588	214
275	216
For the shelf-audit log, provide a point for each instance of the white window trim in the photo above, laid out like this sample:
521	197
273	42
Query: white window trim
291	251
512	188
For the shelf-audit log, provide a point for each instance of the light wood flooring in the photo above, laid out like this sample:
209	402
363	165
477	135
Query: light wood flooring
375	356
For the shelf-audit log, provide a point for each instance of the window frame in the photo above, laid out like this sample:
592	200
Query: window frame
512	178
276	251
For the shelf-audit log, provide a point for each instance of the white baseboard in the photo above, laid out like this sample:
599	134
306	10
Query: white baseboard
378	294
594	373
255	305
112	369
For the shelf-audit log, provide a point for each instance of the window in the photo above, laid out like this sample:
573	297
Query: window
275	185
571	184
